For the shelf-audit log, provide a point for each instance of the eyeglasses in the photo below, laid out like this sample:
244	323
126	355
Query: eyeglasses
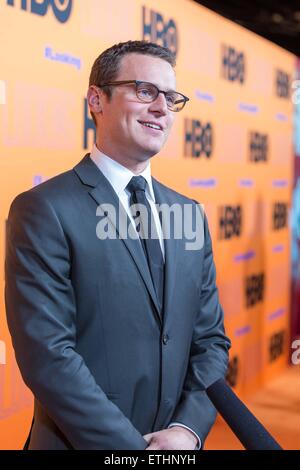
147	92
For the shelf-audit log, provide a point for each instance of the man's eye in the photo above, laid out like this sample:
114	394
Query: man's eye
145	92
171	99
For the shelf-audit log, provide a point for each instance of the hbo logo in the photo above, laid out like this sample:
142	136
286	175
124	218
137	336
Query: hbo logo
157	29
61	8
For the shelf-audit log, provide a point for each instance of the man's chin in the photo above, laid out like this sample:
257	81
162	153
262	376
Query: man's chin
150	152
149	155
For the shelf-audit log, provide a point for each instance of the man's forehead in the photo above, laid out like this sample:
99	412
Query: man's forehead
133	58
147	68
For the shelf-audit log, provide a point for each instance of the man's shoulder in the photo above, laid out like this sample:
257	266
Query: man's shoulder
52	188
54	191
171	195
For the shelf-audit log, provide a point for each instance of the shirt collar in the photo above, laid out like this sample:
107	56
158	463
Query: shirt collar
117	174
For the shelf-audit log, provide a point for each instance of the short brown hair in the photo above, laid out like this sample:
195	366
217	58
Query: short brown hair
106	67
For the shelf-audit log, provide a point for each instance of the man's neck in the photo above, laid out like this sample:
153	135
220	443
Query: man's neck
136	167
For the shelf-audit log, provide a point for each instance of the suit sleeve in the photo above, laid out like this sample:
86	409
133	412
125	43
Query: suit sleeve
208	355
41	315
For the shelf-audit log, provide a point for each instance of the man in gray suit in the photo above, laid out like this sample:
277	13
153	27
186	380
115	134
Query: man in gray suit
117	337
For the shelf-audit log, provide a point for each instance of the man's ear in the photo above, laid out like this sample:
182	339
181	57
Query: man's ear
95	99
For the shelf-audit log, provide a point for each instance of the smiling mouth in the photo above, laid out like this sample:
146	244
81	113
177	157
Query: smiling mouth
155	127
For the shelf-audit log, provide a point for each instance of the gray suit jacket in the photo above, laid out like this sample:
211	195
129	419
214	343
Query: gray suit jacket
104	363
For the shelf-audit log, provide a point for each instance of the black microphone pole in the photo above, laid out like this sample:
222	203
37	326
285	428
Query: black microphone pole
252	434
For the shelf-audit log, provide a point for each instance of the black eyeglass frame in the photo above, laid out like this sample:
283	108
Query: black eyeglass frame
139	82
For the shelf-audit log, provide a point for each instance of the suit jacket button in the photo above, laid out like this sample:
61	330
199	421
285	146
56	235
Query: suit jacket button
165	339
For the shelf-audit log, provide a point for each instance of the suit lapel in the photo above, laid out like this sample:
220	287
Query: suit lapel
170	245
103	193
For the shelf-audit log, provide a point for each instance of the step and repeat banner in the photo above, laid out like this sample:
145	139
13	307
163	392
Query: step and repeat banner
231	149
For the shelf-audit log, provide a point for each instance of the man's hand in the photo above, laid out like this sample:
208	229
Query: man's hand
175	438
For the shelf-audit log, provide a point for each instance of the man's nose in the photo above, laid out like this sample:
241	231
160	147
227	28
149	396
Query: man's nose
160	104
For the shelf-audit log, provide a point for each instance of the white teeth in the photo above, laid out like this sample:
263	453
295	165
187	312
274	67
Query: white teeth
154	126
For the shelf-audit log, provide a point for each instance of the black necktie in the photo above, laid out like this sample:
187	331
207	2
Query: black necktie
136	187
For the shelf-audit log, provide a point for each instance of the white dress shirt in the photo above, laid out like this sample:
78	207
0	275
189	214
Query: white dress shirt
119	177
